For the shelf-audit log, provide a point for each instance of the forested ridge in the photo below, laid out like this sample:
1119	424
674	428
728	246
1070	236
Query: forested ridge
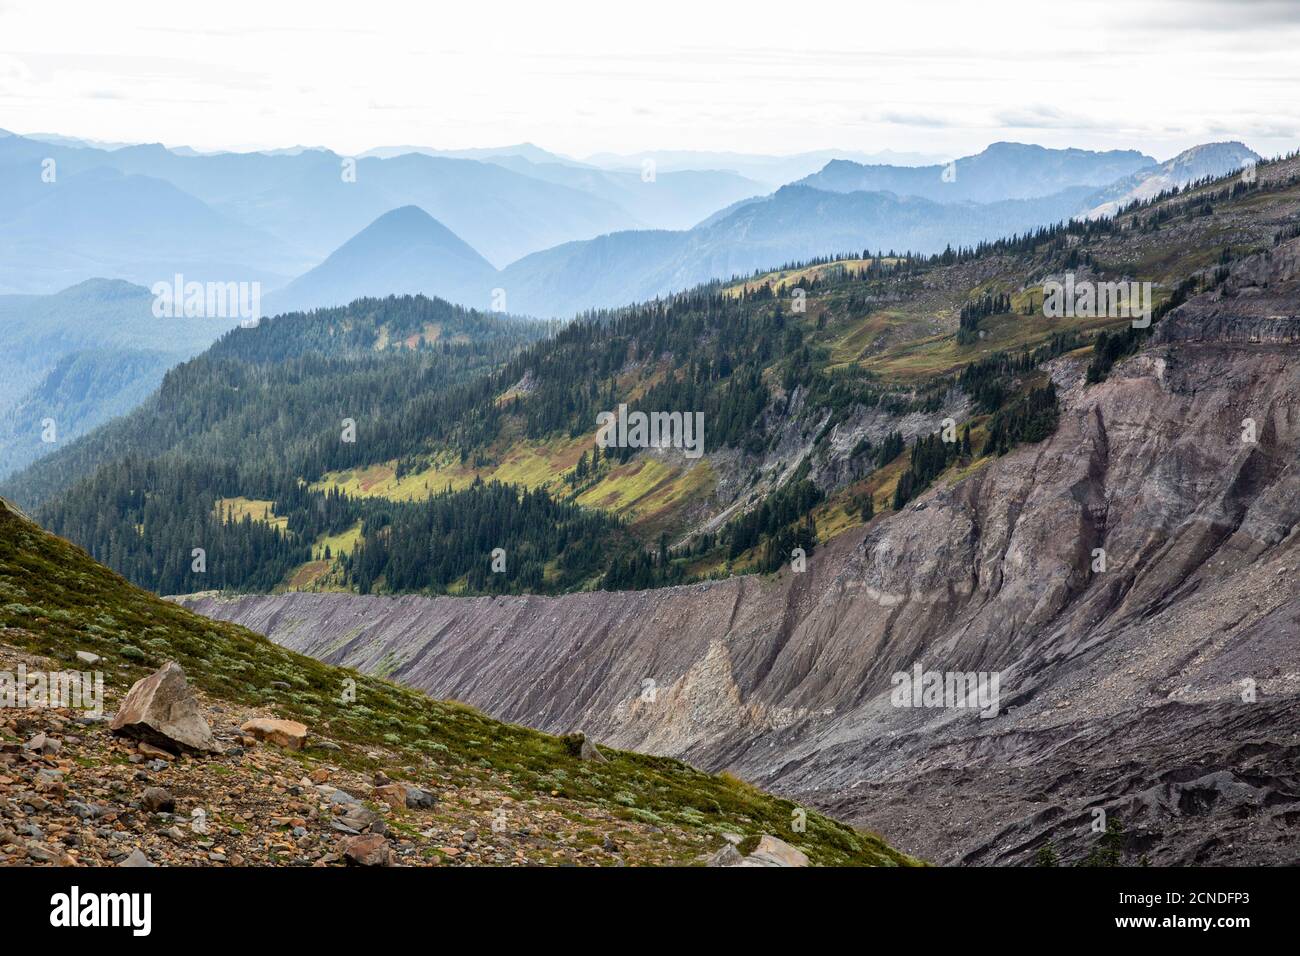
267	411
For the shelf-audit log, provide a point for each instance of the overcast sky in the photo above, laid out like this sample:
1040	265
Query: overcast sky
632	75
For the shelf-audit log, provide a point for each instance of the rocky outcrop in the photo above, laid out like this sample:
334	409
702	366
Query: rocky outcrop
1255	304
1131	582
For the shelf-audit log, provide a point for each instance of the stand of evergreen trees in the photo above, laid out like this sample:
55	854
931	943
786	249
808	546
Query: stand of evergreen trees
968	330
781	523
931	455
433	544
1028	419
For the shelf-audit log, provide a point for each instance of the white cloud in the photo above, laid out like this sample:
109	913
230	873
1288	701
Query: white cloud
930	75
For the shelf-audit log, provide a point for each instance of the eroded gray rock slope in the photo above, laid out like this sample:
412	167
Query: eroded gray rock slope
1122	690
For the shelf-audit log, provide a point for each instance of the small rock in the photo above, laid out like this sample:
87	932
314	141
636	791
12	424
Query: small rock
48	780
136	858
285	733
35	801
579	746
86	811
356	818
404	795
369	850
727	856
589	752
158	800
88	658
43	854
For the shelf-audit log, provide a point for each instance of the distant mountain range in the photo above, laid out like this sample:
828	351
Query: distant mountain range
794	223
1002	171
1009	188
144	212
771	170
70	210
408	251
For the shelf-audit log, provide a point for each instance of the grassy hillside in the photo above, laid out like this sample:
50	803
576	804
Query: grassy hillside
55	601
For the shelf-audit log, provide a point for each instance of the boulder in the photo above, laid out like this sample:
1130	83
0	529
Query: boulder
88	658
418	798
285	733
163	711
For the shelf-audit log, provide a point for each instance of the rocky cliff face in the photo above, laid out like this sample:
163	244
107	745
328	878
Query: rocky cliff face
1131	581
